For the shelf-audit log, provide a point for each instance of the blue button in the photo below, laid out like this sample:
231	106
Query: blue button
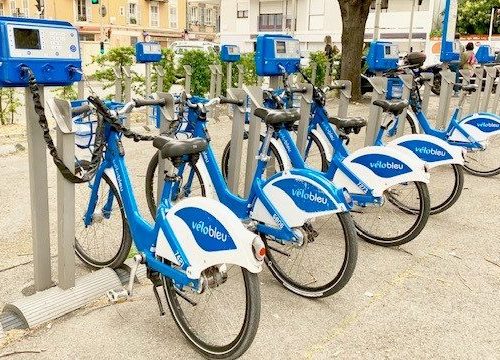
72	48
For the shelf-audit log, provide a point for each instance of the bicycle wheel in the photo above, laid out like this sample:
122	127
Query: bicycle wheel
315	154
484	163
323	264
107	240
192	187
400	218
445	187
274	164
222	320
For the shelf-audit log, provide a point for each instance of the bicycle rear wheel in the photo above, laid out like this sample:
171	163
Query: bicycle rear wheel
399	219
484	163
222	321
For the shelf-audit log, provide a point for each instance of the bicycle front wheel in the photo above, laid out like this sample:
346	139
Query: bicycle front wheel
222	321
484	163
106	241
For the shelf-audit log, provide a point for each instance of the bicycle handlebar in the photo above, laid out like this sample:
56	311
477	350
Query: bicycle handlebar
148	102
79	110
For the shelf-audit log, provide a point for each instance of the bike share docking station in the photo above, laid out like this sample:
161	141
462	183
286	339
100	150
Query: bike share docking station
48	51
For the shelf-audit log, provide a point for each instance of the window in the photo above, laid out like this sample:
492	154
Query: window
133	13
82	10
26	8
133	40
384	5
13	9
154	15
122	11
316	14
242	14
209	16
87	37
193	14
172	16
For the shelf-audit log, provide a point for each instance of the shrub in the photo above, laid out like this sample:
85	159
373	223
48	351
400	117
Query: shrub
199	61
167	63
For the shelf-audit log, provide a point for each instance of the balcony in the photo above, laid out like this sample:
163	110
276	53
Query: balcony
270	22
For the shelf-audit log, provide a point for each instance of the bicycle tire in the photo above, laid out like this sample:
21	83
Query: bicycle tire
123	251
245	337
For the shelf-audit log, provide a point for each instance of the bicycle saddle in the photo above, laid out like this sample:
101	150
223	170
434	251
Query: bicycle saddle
396	107
470	88
273	117
349	124
173	148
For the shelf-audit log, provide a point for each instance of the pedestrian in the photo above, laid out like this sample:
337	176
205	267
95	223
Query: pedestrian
468	59
329	53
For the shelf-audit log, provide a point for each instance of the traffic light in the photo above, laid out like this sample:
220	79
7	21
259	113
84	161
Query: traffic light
101	47
95	2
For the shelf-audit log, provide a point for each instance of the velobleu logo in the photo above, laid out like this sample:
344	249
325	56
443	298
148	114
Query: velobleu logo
426	151
485	125
383	165
208	232
308	197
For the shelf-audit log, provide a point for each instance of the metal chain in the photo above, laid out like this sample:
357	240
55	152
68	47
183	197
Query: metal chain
99	144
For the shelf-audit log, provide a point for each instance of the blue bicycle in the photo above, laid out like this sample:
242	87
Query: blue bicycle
310	237
478	133
197	250
388	185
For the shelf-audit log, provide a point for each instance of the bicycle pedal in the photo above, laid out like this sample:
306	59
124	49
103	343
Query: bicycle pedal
116	296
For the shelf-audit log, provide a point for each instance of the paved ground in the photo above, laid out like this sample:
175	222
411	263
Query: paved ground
436	297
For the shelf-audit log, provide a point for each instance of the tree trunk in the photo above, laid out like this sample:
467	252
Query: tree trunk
354	15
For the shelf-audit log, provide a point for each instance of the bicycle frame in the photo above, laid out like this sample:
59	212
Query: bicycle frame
153	240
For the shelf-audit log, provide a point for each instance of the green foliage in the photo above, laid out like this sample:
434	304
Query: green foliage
167	63
474	16
119	56
66	92
9	103
321	60
249	72
436	32
199	61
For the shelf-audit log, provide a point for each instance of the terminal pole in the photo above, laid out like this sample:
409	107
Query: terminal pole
65	195
496	99
213	80
491	74
256	101
39	195
160	75
237	132
379	84
187	80
81	89
127	89
427	90
229	75
407	87
305	115
241	71
118	83
218	85
476	95
447	83
345	97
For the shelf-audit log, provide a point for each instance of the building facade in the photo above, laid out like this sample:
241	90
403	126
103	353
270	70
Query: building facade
312	20
203	19
125	21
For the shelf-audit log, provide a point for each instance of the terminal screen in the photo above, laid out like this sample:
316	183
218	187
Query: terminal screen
27	39
280	47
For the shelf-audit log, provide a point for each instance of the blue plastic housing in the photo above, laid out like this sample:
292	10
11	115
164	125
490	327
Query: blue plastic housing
485	54
382	56
50	48
147	52
394	88
230	53
277	53
450	48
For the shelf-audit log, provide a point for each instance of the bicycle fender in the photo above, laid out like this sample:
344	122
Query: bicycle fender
433	150
209	234
380	167
287	164
299	195
478	126
327	146
207	179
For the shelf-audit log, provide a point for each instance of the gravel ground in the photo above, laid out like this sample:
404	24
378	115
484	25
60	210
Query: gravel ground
436	297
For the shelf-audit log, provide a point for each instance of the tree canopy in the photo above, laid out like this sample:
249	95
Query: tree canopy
474	16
